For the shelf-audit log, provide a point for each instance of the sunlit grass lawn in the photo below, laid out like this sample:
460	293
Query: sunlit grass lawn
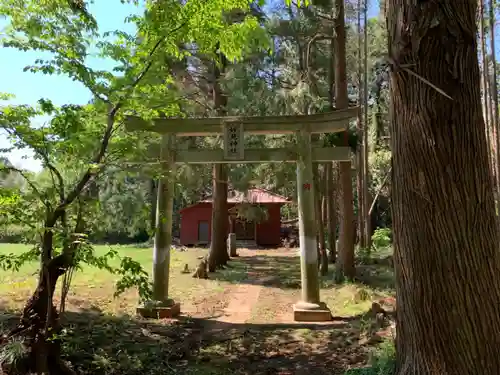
93	288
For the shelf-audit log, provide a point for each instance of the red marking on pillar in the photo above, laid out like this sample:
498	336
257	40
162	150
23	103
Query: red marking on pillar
307	186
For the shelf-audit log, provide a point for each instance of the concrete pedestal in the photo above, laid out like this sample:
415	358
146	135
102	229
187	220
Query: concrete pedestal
311	312
168	310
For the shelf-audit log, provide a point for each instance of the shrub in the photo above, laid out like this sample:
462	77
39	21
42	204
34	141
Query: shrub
381	238
383	361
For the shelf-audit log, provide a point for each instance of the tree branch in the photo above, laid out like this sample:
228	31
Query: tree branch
6	168
53	170
91	171
379	191
46	161
113	110
146	69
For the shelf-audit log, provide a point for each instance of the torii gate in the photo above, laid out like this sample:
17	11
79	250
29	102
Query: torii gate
310	308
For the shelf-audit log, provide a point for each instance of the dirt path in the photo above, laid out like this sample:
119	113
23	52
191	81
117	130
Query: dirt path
256	330
242	300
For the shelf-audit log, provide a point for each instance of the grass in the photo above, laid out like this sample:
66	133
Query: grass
103	337
93	288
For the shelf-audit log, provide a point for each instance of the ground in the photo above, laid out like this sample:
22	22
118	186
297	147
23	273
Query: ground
238	322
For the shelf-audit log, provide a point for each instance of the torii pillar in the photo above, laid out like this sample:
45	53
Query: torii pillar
161	306
309	308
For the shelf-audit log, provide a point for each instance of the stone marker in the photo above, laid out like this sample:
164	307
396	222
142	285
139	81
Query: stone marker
231	245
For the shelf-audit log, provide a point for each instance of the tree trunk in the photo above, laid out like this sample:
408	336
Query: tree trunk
360	228
366	146
323	257
447	261
494	90
331	212
493	127
153	194
346	267
324	216
218	255
360	172
330	188
39	323
484	76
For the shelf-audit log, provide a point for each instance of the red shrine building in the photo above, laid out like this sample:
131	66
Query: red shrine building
196	220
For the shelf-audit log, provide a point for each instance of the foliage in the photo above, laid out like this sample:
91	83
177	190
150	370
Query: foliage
12	353
66	198
165	69
251	212
260	81
381	241
381	238
383	361
133	274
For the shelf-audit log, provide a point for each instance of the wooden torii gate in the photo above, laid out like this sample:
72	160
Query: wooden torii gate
310	308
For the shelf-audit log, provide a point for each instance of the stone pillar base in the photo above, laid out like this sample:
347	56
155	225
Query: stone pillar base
311	312
159	312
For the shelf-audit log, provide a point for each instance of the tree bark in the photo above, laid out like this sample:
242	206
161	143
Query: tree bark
446	254
153	191
366	146
330	187
494	90
39	322
493	127
346	267
323	257
360	228
324	216
331	212
360	172
218	255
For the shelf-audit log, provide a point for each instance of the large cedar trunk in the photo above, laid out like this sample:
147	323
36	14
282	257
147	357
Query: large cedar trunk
347	234
447	260
218	251
360	177
219	256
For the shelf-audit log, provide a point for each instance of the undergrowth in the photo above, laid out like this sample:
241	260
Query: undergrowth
382	362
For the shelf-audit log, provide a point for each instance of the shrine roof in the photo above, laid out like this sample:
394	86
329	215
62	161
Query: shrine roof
253	196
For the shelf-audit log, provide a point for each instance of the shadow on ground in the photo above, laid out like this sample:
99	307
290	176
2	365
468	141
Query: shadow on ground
95	343
284	272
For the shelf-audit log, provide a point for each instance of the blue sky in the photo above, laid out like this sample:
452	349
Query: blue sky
29	87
